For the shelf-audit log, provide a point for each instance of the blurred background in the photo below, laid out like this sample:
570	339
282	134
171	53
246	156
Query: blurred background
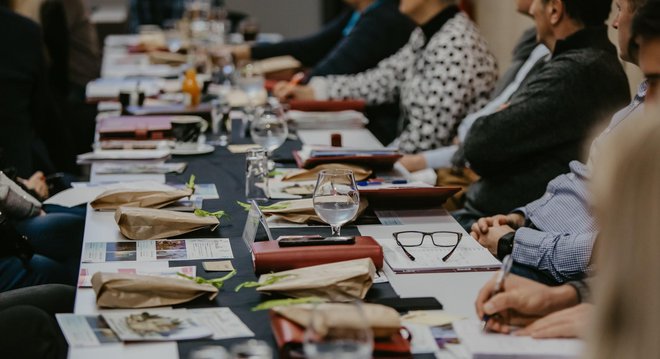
307	16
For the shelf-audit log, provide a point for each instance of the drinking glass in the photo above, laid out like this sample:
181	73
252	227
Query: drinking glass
336	198
256	175
251	82
269	129
352	338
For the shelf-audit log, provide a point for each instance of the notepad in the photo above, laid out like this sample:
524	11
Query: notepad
469	256
489	345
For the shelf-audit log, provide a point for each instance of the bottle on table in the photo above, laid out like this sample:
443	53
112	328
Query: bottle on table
191	90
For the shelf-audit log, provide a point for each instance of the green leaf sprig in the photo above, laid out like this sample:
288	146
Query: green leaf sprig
191	183
270	280
281	205
274	173
216	282
202	213
269	304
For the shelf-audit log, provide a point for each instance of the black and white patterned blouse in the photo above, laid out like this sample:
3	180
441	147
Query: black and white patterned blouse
437	83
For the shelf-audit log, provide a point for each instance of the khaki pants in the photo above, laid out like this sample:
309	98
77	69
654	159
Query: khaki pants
462	178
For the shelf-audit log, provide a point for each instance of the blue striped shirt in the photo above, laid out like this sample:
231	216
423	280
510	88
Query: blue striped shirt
561	234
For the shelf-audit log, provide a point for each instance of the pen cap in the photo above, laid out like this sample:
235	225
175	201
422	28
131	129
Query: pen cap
335	140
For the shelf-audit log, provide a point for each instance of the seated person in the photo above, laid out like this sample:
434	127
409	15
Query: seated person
625	310
355	41
526	54
551	239
28	327
519	149
31	130
37	247
444	72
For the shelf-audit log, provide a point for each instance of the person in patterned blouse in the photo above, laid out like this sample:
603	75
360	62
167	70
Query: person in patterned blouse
443	73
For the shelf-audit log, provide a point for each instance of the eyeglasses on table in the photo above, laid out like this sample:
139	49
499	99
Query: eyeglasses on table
444	239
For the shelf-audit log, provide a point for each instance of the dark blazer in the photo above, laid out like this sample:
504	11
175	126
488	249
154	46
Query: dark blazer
379	33
518	150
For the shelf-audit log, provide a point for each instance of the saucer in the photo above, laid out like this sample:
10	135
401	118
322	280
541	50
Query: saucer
201	149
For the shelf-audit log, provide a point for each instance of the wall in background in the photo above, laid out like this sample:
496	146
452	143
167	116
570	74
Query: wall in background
287	17
502	26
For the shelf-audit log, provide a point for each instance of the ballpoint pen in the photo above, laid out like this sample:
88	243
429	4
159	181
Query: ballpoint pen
499	285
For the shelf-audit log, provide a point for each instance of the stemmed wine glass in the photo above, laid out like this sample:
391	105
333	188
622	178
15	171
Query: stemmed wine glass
336	198
329	337
269	130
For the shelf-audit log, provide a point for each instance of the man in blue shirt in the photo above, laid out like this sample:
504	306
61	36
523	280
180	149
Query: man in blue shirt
551	239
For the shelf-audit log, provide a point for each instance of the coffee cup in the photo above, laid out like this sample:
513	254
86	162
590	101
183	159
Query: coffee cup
187	129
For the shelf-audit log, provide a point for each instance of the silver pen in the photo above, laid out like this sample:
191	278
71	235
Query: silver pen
504	271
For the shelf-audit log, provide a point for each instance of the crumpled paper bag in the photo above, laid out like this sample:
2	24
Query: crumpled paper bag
302	210
360	173
148	223
111	199
383	320
340	281
122	290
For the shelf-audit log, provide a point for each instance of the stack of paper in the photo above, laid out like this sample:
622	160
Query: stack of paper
328	120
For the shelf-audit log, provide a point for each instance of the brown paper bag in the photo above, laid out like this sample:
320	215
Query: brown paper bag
341	281
360	173
383	320
302	210
111	199
120	290
147	223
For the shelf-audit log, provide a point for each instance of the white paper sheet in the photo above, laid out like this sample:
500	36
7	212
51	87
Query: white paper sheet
489	345
85	330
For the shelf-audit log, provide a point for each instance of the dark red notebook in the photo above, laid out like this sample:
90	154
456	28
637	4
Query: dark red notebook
269	257
371	161
135	128
408	196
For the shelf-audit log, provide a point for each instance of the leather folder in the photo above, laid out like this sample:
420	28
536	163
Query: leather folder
399	197
371	161
269	257
289	338
329	105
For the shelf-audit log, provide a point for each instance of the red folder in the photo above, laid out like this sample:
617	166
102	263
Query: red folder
326	106
372	161
289	338
269	257
408	196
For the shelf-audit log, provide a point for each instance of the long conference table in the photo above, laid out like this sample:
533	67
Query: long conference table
455	290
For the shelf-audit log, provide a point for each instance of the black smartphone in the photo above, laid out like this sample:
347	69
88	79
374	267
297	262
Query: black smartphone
406	304
298	241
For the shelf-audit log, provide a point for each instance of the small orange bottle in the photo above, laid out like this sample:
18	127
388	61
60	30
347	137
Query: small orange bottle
191	91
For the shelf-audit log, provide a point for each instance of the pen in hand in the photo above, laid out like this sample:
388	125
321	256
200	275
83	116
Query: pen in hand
499	286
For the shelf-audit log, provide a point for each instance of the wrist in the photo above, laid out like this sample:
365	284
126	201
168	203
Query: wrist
505	245
562	297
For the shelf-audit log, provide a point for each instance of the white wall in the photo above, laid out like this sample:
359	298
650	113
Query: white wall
502	25
287	17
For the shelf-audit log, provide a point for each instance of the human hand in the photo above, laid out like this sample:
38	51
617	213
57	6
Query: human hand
521	302
490	239
284	90
37	183
566	323
413	162
513	220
